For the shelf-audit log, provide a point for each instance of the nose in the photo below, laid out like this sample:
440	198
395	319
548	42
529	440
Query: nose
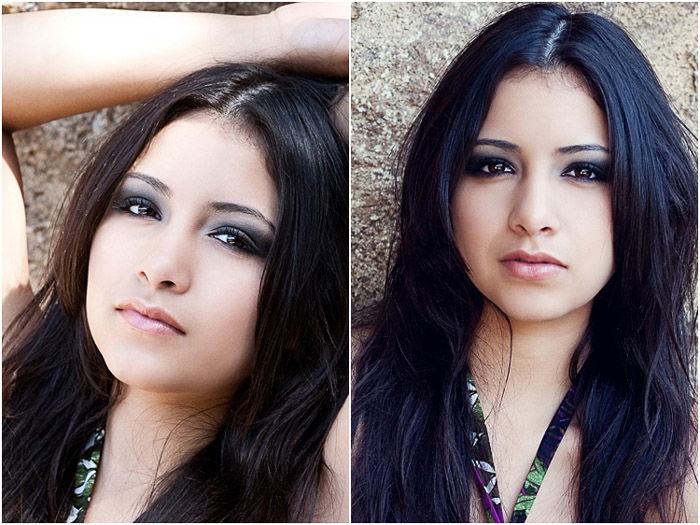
534	207
166	263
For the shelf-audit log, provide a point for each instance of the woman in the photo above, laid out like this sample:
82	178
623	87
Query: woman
184	359
540	302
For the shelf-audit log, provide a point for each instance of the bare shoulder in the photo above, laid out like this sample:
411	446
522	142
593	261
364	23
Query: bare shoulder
690	496
333	501
690	490
685	508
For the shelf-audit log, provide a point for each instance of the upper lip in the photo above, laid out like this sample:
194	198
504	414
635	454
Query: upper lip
522	255
152	312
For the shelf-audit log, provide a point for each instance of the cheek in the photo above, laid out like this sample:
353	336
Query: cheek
227	314
480	219
590	226
219	310
109	282
106	267
476	221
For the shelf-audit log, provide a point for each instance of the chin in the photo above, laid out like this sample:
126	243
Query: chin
531	316
147	380
139	370
537	309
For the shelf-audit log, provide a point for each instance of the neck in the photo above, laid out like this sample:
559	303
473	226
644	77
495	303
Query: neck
149	434
525	360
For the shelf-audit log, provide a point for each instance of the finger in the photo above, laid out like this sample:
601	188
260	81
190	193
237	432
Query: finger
340	10
322	46
340	111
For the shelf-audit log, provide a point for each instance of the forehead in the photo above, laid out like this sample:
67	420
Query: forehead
200	158
535	106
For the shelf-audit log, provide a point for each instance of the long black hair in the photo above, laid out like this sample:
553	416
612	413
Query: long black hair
265	462
636	390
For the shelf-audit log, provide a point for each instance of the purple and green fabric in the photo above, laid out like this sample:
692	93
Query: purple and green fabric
483	465
85	477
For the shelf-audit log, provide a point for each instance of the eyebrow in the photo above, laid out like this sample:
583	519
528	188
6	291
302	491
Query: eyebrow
217	206
582	147
231	207
156	184
503	144
565	150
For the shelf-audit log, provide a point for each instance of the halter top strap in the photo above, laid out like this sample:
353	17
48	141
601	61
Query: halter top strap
85	476
483	465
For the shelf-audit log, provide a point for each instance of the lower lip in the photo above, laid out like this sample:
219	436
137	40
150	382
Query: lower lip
148	325
532	271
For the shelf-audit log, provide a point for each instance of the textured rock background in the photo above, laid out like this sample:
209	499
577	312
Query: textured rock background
399	51
51	154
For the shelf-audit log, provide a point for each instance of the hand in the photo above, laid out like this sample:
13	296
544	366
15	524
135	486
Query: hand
340	111
313	37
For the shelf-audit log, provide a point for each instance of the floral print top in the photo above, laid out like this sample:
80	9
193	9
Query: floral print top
85	477
483	464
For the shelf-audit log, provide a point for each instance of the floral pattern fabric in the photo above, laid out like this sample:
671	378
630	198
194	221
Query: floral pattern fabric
483	465
85	477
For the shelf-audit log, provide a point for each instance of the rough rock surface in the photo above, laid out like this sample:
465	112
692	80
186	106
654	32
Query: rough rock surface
51	154
399	51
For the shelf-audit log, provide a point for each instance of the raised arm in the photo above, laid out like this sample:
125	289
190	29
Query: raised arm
63	62
334	501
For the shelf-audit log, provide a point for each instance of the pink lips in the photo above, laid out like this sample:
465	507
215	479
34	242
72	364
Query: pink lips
149	319
532	266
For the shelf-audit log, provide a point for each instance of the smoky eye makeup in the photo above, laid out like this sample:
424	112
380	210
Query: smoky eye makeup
231	233
132	187
488	166
136	201
137	206
587	171
243	237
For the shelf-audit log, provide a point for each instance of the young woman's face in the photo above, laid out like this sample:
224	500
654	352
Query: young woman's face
176	263
532	215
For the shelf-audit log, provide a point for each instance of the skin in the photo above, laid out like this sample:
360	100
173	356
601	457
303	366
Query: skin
183	261
134	54
48	73
532	199
204	277
536	199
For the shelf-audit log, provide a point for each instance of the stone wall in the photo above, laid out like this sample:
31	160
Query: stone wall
398	53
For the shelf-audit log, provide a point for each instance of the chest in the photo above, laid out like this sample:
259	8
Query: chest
111	503
514	443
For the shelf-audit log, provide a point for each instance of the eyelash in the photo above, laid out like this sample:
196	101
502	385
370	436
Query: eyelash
476	167
597	173
241	241
126	204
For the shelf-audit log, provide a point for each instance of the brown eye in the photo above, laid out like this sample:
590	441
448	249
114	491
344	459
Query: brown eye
138	206
235	239
488	167
496	167
140	209
585	173
231	239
